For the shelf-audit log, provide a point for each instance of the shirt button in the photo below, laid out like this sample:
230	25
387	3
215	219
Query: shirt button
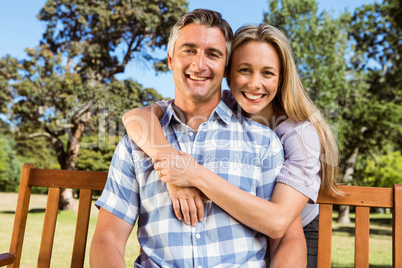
191	134
198	236
199	266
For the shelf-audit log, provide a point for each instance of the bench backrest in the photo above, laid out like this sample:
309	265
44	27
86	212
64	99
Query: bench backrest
362	198
86	181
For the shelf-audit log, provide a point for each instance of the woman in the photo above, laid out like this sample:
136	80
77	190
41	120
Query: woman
263	80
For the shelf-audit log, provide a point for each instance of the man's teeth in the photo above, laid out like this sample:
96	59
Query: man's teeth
252	96
198	78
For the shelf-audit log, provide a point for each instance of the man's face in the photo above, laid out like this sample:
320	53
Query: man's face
198	64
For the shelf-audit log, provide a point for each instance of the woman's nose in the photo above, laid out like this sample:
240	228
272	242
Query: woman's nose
255	82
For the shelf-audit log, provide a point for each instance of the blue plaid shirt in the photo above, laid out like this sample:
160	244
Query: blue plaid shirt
243	152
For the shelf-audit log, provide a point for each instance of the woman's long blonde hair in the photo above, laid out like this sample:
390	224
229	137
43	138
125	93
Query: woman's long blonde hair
292	100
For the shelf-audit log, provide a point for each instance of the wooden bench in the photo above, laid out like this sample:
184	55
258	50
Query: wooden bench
361	197
86	181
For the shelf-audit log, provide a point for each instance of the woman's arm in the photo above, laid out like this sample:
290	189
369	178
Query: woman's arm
271	218
144	129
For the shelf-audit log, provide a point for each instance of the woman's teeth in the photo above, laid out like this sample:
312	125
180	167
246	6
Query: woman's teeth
252	96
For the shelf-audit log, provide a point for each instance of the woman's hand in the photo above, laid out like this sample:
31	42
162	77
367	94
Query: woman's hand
180	169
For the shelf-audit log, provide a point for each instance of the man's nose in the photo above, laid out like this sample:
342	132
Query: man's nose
199	62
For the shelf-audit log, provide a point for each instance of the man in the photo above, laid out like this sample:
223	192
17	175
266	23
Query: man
198	49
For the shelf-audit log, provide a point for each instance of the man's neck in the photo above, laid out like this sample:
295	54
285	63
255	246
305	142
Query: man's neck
194	114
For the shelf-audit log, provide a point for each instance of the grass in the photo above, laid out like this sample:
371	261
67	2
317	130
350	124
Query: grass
342	244
380	247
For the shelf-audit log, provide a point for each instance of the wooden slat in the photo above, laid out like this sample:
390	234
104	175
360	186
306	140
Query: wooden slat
21	213
81	229
49	226
68	179
361	196
397	227
362	232
324	236
6	258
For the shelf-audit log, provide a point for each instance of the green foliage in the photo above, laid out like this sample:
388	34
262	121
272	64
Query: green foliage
376	33
37	152
99	155
10	167
106	35
383	170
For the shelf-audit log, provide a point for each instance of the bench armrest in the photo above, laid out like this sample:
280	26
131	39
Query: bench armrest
6	259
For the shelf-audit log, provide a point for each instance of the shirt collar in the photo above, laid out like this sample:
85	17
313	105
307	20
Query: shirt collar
221	113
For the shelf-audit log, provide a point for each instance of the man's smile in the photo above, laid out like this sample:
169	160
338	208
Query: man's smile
197	78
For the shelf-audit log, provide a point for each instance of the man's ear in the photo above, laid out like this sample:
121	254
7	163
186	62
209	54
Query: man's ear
170	62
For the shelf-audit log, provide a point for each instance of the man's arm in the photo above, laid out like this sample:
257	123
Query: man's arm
290	250
109	241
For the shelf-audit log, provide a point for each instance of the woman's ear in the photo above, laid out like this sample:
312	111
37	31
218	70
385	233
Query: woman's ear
170	62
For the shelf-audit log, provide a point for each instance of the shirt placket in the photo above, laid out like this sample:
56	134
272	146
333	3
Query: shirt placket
198	232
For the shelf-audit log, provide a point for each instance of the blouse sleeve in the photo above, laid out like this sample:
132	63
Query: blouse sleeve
228	99
163	104
302	167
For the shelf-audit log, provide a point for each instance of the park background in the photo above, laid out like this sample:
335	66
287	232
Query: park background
70	70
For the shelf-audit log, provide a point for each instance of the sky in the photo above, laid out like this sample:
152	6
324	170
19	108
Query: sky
19	29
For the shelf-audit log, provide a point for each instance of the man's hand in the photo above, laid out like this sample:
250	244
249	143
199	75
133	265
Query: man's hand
187	203
179	172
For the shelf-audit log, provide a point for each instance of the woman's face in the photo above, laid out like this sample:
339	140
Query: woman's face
254	78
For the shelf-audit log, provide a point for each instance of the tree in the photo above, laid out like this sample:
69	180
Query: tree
65	89
97	32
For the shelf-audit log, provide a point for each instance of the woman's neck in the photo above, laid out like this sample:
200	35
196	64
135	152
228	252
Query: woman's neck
268	117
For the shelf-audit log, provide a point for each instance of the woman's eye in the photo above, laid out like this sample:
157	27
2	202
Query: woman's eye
268	73
245	70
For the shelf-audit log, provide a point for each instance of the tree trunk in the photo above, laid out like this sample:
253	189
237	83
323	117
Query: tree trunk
347	178
343	216
67	201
